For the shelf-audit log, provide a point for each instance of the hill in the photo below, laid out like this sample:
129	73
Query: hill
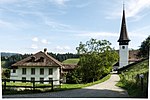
131	81
71	61
6	54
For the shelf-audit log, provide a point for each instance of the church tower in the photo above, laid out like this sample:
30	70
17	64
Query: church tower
123	43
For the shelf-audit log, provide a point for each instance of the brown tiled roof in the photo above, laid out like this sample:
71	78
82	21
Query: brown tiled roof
133	55
69	66
40	59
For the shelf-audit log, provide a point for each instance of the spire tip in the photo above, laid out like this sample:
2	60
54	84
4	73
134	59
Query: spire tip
123	5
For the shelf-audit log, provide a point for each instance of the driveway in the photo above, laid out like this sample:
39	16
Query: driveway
106	89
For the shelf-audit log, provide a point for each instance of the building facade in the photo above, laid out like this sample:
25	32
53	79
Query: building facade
39	66
36	74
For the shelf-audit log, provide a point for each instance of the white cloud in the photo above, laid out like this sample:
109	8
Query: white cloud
134	9
44	41
142	32
56	25
7	1
34	46
35	39
62	48
67	48
83	5
138	33
59	2
58	48
39	41
8	25
98	34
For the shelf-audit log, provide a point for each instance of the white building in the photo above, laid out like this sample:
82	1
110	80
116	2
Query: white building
39	66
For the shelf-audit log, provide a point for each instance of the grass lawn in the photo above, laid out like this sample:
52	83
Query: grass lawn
131	83
63	86
71	61
25	84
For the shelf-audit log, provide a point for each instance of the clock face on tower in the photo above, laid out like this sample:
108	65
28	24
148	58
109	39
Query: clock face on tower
123	47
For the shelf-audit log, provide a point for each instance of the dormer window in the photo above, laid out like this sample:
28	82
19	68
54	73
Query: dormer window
32	59
41	59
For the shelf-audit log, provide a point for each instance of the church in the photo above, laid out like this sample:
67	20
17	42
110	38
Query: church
126	56
123	43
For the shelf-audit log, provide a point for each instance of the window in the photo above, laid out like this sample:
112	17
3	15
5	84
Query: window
14	70
23	79
33	59
41	59
32	79
24	71
32	71
50	80
50	71
41	71
41	80
123	47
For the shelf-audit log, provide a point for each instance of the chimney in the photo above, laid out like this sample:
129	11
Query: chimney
45	50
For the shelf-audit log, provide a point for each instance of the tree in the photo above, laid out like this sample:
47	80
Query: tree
74	77
5	73
96	59
144	48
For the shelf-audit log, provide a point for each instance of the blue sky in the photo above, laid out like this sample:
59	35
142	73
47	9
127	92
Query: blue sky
28	26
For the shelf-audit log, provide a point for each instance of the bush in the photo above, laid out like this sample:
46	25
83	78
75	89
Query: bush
74	77
5	73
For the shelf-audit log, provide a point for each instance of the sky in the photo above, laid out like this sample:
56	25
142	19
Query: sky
29	26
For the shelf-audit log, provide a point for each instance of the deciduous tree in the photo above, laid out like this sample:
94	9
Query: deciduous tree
144	48
96	59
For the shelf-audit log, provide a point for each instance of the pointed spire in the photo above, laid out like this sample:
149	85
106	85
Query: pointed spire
123	5
123	39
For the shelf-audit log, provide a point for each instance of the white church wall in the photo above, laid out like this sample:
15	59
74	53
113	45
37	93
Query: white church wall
123	53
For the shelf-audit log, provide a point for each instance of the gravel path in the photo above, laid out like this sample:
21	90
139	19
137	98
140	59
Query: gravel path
106	89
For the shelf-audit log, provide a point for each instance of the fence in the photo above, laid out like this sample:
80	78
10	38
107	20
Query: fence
33	86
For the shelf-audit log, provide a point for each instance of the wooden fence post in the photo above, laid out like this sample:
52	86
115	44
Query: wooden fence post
142	84
52	85
142	77
4	84
33	85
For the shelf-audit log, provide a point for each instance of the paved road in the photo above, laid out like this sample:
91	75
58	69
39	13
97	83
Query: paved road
105	89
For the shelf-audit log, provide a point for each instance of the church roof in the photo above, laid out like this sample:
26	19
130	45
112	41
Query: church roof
123	33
